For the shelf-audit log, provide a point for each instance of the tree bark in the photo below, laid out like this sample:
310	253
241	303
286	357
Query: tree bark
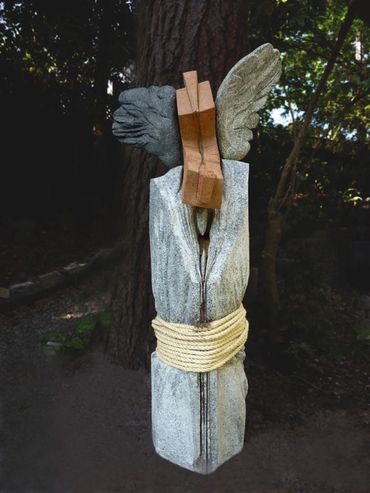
286	181
174	36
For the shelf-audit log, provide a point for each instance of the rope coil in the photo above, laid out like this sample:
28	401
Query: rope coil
201	348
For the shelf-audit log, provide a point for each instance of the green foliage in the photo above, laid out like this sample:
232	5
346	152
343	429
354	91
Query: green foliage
311	323
363	334
81	335
304	32
67	47
316	320
334	162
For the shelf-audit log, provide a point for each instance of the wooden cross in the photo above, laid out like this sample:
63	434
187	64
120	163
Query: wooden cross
202	184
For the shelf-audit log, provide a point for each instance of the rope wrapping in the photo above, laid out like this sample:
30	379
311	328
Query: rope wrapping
204	347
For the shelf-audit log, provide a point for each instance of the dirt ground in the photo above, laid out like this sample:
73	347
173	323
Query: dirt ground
82	424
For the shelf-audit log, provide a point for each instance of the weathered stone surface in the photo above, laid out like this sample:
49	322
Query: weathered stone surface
227	270
201	220
241	95
175	249
198	419
147	119
51	279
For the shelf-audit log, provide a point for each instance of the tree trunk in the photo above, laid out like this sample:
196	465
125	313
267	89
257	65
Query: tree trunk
173	36
285	185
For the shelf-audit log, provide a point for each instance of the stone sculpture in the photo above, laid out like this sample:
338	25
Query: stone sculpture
199	257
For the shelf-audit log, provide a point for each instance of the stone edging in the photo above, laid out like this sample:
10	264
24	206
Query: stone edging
18	293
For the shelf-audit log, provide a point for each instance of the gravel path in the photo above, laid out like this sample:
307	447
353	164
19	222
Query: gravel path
82	424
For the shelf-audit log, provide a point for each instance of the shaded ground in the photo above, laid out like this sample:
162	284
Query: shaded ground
81	424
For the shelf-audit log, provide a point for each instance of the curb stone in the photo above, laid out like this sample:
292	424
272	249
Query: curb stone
19	293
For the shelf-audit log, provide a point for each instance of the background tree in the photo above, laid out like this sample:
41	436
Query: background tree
57	59
286	182
173	37
325	118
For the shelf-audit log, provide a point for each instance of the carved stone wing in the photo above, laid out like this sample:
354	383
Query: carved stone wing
147	120
241	95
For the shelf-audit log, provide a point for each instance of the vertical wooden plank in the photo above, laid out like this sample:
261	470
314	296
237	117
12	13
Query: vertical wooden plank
202	184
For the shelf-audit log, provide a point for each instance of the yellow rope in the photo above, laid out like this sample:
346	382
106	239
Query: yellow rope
201	348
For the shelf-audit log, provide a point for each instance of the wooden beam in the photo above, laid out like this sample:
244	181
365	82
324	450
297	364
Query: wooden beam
202	184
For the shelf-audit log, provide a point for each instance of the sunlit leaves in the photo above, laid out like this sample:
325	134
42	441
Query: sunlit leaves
304	32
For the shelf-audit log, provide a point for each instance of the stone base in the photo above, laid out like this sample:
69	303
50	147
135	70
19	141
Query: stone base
198	419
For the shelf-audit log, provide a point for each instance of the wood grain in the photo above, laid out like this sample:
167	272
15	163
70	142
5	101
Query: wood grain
202	184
